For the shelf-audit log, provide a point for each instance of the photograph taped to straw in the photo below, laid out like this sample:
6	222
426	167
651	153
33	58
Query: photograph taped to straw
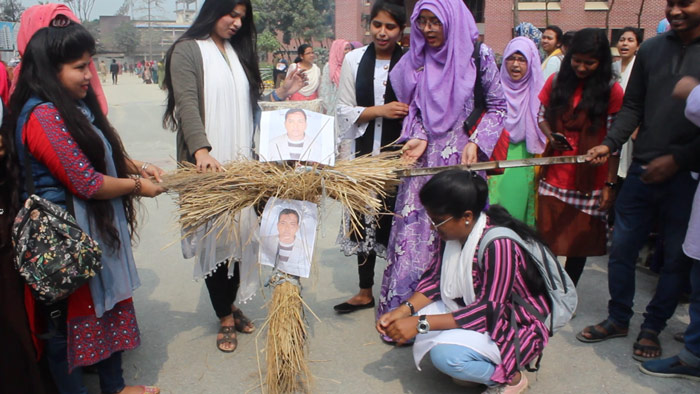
288	235
297	134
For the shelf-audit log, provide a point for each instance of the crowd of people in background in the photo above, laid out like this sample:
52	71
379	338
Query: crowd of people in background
632	109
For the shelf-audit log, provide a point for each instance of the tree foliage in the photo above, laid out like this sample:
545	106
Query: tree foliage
126	38
11	10
267	42
81	8
299	21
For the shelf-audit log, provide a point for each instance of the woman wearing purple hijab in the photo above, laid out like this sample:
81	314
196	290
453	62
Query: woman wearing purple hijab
522	80
437	76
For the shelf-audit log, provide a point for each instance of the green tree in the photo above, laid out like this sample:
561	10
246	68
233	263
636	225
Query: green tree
126	38
299	21
11	10
267	42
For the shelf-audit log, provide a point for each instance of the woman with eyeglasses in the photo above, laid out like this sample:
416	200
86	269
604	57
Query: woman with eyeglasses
311	70
73	150
522	81
460	312
438	77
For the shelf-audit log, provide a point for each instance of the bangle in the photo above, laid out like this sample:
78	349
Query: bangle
137	186
411	307
275	96
611	184
145	165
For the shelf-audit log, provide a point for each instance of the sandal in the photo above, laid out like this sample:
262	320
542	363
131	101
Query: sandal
150	389
242	323
229	336
649	335
596	335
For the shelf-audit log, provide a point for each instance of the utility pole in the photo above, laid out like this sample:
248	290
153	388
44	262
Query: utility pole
150	33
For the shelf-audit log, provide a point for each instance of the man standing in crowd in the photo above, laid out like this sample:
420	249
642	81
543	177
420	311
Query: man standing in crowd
658	181
687	363
114	69
551	43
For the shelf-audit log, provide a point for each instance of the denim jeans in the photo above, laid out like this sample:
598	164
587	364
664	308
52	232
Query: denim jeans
634	210
109	370
691	353
463	363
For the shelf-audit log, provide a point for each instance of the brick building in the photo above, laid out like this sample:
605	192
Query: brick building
495	17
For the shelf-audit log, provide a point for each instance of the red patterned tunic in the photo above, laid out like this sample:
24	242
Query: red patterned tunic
90	339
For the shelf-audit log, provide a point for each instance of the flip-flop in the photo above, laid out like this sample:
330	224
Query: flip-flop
229	336
651	336
242	322
611	331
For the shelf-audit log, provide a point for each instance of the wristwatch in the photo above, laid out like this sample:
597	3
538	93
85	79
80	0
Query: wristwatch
423	326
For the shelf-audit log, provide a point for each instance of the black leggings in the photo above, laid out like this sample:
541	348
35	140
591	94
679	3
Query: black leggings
574	267
222	289
365	267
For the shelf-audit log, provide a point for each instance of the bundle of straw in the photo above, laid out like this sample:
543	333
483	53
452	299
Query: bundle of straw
359	185
287	369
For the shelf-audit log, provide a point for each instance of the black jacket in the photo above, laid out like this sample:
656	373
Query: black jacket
663	127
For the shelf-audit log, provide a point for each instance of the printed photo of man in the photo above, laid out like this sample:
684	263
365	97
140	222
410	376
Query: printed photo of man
285	249
296	143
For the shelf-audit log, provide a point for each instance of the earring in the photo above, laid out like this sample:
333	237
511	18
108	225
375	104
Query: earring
467	222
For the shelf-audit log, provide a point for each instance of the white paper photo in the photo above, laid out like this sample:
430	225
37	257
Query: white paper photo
288	235
297	134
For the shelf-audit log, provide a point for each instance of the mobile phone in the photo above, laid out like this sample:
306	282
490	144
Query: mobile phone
562	140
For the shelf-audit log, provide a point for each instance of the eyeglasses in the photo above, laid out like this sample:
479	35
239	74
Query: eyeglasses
518	59
435	226
432	23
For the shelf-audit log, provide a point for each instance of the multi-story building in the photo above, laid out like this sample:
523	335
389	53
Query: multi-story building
495	18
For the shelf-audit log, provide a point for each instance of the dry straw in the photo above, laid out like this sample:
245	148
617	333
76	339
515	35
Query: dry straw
359	185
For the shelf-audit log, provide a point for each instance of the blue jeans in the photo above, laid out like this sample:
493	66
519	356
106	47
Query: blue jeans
109	370
463	363
633	216
691	353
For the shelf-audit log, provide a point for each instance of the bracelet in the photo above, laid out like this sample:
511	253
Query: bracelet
411	307
275	96
137	186
145	165
611	184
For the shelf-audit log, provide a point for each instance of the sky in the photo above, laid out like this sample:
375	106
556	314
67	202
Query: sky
110	7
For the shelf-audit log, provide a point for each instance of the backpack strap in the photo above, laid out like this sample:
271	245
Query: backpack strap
28	173
479	97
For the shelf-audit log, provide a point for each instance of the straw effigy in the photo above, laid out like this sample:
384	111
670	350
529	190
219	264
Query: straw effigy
359	185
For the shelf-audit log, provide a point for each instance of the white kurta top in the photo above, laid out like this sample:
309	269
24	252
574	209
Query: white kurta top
626	152
347	110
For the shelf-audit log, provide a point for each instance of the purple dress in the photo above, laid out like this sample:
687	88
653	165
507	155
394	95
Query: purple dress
413	244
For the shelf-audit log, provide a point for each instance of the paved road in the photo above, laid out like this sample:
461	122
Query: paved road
178	325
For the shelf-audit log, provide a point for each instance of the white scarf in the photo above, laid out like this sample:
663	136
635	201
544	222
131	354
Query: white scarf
456	272
228	118
313	78
625	75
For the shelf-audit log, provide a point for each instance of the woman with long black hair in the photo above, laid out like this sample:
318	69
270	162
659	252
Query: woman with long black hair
461	311
578	106
73	150
369	118
213	84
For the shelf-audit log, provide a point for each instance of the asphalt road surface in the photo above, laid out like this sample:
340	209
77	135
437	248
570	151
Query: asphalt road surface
178	325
